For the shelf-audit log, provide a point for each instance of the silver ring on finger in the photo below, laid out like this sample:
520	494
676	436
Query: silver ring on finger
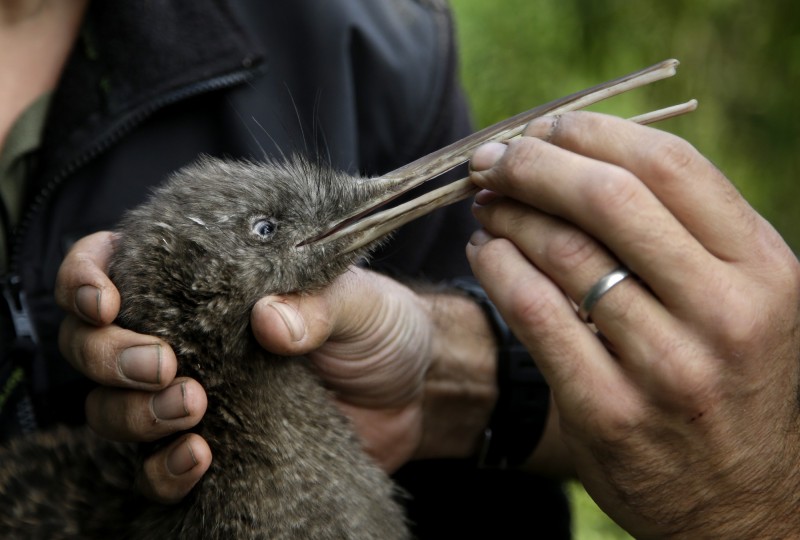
598	290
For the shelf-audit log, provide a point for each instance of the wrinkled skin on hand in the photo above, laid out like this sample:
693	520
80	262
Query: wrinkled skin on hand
683	418
370	339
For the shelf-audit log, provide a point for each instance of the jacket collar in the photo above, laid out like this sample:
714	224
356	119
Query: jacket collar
131	59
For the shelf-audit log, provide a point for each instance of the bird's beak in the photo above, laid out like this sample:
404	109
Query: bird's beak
363	226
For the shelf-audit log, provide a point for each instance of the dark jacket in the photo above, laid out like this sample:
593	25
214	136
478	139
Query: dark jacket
364	85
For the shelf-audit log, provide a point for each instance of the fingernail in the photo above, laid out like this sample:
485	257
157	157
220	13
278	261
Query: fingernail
487	155
141	363
543	127
485	197
480	237
170	403
294	322
87	301
181	460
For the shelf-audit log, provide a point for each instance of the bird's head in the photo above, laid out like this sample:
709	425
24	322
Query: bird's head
219	235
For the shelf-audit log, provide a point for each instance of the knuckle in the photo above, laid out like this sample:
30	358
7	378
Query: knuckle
136	424
545	128
122	416
508	219
672	157
741	332
95	355
699	393
570	249
78	267
616	427
156	483
740	335
521	158
739	323
688	380
613	192
127	416
534	309
492	252
530	306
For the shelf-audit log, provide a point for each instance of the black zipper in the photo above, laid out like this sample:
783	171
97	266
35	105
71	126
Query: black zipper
13	292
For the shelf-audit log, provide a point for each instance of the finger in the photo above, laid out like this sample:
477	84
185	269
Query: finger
580	371
574	261
280	323
169	474
613	206
671	168
367	335
82	284
132	415
300	323
114	356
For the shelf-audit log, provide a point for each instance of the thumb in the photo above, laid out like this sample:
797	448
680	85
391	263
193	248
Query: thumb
296	324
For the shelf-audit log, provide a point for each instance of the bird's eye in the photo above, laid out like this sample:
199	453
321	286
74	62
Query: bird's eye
264	228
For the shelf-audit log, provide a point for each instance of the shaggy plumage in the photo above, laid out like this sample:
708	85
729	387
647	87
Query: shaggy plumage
190	264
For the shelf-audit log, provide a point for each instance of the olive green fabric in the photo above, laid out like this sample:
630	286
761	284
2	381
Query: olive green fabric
23	139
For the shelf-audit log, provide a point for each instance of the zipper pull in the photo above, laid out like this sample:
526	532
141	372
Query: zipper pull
18	307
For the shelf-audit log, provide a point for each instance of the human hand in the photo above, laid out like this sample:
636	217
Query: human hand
139	398
683	417
399	363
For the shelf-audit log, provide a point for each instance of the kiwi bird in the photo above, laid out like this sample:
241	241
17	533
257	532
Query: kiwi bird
190	263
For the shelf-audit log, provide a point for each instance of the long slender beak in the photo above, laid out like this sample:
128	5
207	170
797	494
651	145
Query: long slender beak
362	226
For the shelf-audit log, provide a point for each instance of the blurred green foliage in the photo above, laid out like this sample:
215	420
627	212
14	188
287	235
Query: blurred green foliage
739	58
588	521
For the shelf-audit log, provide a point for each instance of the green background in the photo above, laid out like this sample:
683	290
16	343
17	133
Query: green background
740	59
